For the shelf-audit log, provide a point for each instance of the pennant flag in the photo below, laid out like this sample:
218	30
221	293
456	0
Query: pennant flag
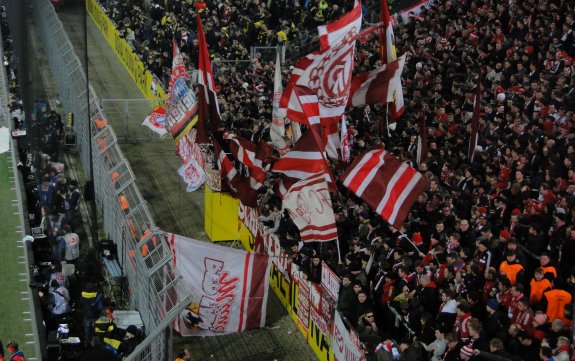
310	207
182	107
422	142
388	46
389	186
473	139
209	111
379	85
240	186
345	147
256	158
156	121
278	130
229	287
327	72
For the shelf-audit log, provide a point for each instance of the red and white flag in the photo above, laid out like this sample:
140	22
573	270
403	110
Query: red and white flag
387	185
209	111
182	106
229	287
156	121
310	207
345	147
378	86
389	54
302	162
256	158
193	174
473	139
241	187
327	72
277	129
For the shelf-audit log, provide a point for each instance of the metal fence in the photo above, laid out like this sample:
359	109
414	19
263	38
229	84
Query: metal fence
154	287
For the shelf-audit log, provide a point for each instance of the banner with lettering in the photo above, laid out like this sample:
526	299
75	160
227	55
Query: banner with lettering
345	346
330	281
229	287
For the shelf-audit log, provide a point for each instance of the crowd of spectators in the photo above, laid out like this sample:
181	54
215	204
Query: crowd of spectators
483	267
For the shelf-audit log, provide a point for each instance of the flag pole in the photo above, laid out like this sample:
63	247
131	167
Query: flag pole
338	249
403	235
387	119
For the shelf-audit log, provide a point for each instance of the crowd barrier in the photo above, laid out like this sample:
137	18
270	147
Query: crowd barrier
153	286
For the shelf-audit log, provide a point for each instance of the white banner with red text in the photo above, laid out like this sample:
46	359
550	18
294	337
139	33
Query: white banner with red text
229	287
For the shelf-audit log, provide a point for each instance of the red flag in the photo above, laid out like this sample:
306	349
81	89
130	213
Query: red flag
209	112
389	186
327	72
239	185
475	121
422	142
310	207
389	54
379	85
256	158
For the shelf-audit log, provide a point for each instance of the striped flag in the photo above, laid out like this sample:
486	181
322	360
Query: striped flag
310	207
256	158
387	185
389	54
302	162
327	72
379	85
209	111
422	142
239	185
473	139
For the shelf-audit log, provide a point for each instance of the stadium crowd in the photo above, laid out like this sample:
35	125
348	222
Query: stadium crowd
483	267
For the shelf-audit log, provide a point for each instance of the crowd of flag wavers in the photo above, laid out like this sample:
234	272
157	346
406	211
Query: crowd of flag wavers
442	141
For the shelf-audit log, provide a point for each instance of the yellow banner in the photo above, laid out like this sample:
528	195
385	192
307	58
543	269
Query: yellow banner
124	51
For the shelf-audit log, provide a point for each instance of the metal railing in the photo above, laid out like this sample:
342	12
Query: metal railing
154	286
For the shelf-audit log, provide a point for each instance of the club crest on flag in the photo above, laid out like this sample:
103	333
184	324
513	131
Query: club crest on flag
158	117
331	79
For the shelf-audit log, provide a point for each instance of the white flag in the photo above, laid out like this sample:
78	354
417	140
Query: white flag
229	287
277	130
310	207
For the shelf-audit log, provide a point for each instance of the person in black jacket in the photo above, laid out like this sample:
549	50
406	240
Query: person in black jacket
99	352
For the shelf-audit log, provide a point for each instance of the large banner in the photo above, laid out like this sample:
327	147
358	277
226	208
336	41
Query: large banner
229	287
345	346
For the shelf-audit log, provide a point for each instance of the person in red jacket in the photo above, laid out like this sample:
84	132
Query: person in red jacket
17	355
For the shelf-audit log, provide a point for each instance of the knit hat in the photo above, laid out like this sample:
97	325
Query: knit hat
504	234
516	211
493	304
467	350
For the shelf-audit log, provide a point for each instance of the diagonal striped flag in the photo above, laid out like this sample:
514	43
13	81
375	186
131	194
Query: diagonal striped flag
387	185
257	158
239	185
